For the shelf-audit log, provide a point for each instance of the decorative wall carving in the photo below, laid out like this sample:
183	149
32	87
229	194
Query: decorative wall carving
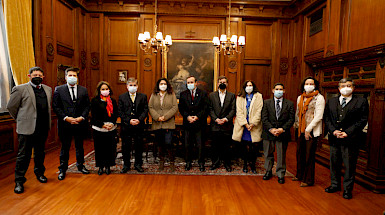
65	51
50	52
83	59
95	60
147	62
284	66
295	65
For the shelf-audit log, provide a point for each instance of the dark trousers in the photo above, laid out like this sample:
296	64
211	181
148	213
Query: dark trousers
65	137
192	137
26	143
221	148
105	148
348	155
306	159
268	148
164	139
132	137
249	153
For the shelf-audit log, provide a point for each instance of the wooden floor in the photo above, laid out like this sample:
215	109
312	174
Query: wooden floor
165	194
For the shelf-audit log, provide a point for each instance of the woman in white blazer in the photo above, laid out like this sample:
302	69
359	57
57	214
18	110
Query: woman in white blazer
308	120
248	125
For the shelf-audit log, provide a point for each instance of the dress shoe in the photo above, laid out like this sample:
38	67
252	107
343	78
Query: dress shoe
228	168
42	179
62	175
188	167
332	189
245	170
108	170
267	175
19	188
253	170
138	168
100	171
281	180
202	167
125	169
84	170
303	184
347	194
295	179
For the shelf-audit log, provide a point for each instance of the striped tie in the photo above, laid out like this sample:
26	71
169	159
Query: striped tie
278	109
343	102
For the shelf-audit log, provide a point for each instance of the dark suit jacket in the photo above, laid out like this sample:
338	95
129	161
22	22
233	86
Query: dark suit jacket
99	112
356	117
198	108
129	110
227	111
285	121
64	106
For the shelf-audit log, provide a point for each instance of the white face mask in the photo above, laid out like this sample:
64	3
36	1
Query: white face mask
309	88
249	89
163	87
132	89
346	91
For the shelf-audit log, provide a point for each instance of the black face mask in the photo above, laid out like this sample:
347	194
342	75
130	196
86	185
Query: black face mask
222	86
36	80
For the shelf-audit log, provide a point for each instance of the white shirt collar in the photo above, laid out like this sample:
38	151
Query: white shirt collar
224	93
280	99
69	86
347	98
33	85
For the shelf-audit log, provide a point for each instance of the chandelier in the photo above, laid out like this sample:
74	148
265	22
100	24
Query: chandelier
227	45
155	43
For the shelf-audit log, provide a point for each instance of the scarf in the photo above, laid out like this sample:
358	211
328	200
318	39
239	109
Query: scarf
110	107
302	108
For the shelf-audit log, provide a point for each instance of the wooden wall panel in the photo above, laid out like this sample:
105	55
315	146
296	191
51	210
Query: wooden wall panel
260	74
64	24
200	29
314	43
258	41
114	66
122	36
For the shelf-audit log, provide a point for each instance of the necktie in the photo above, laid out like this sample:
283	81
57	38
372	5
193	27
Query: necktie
73	94
192	95
343	102
133	98
278	109
37	87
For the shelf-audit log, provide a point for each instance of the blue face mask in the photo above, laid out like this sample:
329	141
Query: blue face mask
190	86
278	93
72	80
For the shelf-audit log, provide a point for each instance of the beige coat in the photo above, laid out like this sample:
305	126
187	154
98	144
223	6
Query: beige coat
254	118
168	110
313	116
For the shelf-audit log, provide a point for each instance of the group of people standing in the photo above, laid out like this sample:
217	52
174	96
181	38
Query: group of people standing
255	121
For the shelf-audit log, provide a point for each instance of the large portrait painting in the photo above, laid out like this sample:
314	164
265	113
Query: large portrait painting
186	58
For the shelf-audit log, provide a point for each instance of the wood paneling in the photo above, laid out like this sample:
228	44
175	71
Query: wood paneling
258	41
64	24
260	74
314	43
122	35
114	66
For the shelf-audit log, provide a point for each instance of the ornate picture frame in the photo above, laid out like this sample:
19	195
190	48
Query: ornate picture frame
122	76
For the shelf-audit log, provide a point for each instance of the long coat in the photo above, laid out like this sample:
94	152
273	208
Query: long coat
168	109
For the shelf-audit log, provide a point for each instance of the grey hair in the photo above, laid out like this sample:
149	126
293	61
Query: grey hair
132	79
344	80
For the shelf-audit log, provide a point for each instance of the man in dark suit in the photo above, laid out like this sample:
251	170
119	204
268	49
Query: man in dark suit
222	112
72	105
133	110
345	118
277	119
193	104
30	106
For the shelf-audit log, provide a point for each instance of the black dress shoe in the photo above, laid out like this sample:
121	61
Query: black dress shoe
62	175
84	170
254	171
347	194
19	188
245	170
125	169
202	167
100	171
228	168
188	167
281	180
108	170
42	179
138	168
332	189
267	175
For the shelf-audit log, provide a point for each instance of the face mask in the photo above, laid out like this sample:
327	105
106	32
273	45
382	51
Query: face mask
36	80
278	93
249	89
222	86
346	91
105	93
163	87
190	86
309	88
132	89
72	80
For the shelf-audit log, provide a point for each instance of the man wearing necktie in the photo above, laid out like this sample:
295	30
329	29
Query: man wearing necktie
72	105
277	119
345	118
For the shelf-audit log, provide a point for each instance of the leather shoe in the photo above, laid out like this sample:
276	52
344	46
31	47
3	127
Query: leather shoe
281	180
138	168
303	184
228	168
202	167
245	170
295	179
84	170
62	175
254	171
332	189
19	188
100	171
188	166
267	175
108	170
347	194
42	179
125	169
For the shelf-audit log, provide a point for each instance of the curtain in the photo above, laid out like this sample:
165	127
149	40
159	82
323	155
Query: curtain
5	68
18	20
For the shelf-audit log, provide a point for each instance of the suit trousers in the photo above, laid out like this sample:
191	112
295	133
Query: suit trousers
221	148
306	159
268	148
132	137
347	154
65	136
26	143
192	137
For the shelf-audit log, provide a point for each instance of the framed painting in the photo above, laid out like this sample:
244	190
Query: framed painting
191	58
122	76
